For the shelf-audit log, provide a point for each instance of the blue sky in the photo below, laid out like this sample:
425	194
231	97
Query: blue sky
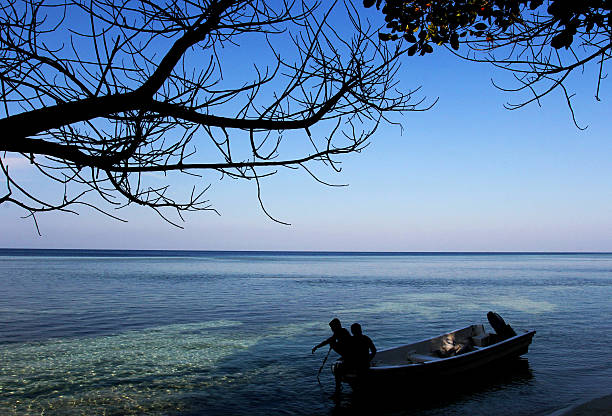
467	175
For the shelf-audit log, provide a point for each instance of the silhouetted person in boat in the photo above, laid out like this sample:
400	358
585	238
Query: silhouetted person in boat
362	350
340	341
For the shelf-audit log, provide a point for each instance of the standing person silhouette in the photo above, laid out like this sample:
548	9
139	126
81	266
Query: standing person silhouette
341	342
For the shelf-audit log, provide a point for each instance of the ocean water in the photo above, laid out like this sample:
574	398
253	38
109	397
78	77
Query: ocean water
230	333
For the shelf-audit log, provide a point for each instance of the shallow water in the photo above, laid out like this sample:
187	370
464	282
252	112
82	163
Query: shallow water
231	333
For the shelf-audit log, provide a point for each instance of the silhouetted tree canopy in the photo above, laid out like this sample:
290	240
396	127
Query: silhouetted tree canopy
541	42
99	95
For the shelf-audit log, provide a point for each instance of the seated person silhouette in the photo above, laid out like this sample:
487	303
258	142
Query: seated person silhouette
362	351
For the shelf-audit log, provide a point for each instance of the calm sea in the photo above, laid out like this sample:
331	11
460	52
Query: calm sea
230	333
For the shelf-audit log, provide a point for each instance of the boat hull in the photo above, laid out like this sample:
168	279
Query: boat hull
444	368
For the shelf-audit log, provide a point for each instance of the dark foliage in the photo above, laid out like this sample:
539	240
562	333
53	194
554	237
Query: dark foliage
541	42
427	22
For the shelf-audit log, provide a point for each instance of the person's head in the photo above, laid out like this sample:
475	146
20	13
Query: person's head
356	329
335	324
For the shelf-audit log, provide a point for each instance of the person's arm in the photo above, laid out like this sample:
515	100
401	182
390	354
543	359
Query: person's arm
372	349
322	344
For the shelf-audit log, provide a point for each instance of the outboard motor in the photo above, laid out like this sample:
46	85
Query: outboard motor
503	330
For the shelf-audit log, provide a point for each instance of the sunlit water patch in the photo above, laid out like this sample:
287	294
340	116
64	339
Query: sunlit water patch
137	371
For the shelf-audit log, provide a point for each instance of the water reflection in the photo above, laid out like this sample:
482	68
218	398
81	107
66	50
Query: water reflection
415	397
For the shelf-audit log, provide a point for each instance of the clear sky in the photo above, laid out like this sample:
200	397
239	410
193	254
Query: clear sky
467	175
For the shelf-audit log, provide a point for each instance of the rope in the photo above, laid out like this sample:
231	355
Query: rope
323	365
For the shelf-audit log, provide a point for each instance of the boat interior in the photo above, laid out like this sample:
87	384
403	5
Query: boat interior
450	344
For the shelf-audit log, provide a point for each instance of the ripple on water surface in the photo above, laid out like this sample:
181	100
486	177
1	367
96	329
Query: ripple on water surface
232	334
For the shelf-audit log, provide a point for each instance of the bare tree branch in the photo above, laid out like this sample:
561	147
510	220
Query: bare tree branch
100	94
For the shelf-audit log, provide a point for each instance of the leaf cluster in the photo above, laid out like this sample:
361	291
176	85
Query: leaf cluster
441	22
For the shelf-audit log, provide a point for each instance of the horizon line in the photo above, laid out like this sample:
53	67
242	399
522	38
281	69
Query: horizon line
363	252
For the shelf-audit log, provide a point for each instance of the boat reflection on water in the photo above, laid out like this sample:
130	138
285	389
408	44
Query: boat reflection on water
436	395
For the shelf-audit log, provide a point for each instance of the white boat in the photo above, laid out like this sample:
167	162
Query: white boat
449	354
